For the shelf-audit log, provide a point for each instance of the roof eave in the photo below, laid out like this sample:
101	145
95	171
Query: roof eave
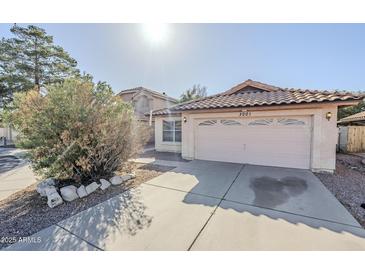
172	113
293	104
351	120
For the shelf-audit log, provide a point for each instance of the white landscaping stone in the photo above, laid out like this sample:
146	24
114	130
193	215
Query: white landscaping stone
69	193
128	176
116	180
49	190
92	187
42	186
104	184
81	191
54	199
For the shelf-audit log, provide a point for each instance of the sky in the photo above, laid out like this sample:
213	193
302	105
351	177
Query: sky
172	58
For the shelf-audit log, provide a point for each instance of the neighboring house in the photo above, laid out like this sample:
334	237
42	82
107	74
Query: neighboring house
258	124
352	133
7	136
144	100
357	119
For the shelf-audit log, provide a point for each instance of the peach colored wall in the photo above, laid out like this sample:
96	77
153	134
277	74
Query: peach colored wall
154	103
324	133
159	103
127	97
159	144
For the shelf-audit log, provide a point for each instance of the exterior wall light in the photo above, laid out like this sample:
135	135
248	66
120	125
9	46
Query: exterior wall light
185	120
328	115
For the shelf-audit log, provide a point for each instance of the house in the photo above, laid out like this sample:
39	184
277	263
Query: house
8	136
144	100
357	119
258	124
351	137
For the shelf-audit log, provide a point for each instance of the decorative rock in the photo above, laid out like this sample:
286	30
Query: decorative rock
81	191
92	187
104	184
363	161
42	186
49	190
54	199
116	180
69	193
128	176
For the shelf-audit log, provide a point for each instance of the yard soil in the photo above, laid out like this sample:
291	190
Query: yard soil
26	212
348	184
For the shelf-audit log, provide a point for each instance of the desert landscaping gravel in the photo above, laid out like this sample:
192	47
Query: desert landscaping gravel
348	184
26	212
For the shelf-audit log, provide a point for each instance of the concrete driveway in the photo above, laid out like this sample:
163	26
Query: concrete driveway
203	205
15	173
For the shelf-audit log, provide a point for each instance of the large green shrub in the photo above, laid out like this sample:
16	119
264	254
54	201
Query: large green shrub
77	130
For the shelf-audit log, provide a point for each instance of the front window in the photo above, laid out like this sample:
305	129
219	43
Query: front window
171	131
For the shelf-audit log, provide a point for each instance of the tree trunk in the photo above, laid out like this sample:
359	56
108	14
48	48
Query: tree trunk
36	66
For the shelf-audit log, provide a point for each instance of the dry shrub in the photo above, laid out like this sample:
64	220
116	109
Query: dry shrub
78	130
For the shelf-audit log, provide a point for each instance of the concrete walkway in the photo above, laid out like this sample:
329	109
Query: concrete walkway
204	205
15	173
160	158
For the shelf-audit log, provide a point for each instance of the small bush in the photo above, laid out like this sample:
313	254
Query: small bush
78	130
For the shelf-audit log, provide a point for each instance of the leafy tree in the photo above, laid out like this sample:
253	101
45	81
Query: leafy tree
31	59
77	130
347	111
193	93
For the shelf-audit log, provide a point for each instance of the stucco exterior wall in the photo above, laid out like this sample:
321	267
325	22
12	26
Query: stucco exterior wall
9	133
159	103
127	97
144	102
324	132
159	144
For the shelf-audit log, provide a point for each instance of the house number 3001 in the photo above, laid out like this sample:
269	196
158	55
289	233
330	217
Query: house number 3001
245	113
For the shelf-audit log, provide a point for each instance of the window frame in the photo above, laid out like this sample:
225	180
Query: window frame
173	130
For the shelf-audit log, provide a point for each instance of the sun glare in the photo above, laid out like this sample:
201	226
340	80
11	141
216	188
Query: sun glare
156	33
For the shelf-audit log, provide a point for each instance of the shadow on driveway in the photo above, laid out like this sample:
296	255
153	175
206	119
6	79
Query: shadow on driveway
293	195
206	205
122	214
8	162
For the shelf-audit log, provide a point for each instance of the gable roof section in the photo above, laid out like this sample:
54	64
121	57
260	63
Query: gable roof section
352	118
137	90
250	85
252	93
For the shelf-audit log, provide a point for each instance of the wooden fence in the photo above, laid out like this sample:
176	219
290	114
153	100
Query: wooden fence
352	139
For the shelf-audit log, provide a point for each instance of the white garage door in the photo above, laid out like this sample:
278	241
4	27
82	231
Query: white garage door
273	141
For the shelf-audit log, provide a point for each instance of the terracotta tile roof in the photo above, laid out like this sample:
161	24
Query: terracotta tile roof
252	93
352	118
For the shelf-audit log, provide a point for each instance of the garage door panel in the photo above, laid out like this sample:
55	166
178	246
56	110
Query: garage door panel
233	155
242	141
273	150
